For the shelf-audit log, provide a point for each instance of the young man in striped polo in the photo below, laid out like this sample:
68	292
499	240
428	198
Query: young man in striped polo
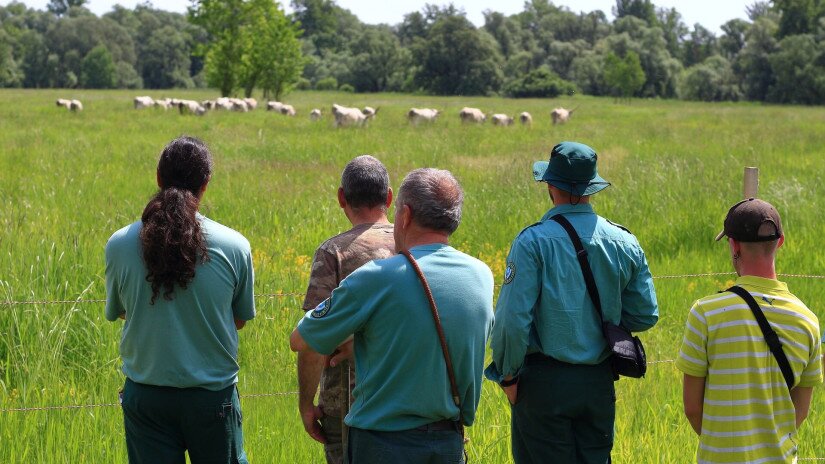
735	394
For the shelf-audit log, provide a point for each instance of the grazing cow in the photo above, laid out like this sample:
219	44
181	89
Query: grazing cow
287	110
208	104
251	103
239	105
164	103
75	105
315	114
561	115
472	115
419	115
345	116
64	103
274	106
370	112
502	120
144	102
526	118
191	107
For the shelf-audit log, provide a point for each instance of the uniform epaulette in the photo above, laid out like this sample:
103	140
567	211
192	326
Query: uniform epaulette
620	226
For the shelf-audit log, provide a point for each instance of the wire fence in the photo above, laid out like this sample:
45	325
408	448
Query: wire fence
299	294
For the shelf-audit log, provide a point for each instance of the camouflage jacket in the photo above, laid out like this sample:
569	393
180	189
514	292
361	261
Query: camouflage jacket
334	260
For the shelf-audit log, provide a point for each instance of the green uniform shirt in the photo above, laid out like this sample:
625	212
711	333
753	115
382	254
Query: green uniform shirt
748	415
544	306
402	380
191	340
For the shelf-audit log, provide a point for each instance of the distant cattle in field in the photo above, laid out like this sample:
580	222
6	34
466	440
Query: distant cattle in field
315	114
274	106
369	112
287	110
561	115
76	105
164	103
64	103
143	102
502	120
251	103
345	116
526	118
191	107
472	115
418	115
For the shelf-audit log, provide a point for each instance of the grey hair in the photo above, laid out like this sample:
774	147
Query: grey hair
365	182
434	197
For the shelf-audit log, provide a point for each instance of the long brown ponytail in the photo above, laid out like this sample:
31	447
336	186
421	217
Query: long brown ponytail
171	237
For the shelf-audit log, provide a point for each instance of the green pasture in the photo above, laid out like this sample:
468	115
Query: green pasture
67	181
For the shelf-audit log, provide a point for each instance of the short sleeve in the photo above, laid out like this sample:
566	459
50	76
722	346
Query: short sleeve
114	305
323	278
640	310
243	300
336	318
812	374
693	357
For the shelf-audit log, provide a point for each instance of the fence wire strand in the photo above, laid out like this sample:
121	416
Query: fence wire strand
299	294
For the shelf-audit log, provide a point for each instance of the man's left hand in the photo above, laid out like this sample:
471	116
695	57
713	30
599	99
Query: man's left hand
344	352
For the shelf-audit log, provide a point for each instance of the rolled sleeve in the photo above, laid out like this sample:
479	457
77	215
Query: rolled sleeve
342	314
640	309
693	356
515	311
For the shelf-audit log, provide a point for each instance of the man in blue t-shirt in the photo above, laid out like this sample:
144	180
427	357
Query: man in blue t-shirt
403	410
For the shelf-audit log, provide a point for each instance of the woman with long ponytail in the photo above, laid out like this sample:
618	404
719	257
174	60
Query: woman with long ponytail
183	283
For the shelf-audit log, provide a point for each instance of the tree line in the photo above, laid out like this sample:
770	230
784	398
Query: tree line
240	46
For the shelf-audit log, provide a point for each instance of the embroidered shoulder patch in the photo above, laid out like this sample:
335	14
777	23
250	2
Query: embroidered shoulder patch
509	273
322	309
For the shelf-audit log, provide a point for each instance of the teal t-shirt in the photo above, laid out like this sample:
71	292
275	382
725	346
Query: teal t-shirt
401	378
191	340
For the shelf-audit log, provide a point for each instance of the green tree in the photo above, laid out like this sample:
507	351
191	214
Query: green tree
752	64
377	58
222	20
733	38
539	83
61	7
166	61
456	59
642	9
624	76
712	80
798	76
98	69
797	16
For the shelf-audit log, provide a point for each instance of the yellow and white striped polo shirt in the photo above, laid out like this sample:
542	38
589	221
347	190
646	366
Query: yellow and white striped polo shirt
748	416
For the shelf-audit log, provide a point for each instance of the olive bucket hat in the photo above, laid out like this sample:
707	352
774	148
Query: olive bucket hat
572	168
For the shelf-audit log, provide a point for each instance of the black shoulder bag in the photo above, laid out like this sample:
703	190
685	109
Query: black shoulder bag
627	353
771	338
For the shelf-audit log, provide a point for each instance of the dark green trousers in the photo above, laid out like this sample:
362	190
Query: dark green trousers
162	423
564	413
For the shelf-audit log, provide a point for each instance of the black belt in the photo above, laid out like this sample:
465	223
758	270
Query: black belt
445	424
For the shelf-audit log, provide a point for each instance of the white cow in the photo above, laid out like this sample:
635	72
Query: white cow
164	103
419	115
239	105
144	102
287	110
75	105
370	112
345	116
315	114
64	103
472	115
251	103
526	118
191	106
274	106
502	120
561	115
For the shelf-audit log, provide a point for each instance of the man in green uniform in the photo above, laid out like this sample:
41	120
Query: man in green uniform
403	410
736	397
549	354
364	196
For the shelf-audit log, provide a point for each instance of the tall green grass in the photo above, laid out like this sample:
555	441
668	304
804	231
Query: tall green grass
67	181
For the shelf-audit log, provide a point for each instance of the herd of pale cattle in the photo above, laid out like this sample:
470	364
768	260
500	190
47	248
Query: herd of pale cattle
343	116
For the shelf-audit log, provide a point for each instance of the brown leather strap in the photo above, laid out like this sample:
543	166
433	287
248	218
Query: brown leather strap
440	330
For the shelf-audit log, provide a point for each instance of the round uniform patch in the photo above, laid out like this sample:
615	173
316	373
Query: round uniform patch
509	273
322	309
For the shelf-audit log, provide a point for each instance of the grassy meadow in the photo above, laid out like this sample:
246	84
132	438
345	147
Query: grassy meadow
67	181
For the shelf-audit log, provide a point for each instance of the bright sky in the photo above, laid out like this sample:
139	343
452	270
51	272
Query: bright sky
710	13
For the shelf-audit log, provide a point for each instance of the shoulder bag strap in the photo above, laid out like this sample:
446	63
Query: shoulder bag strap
442	339
770	335
581	255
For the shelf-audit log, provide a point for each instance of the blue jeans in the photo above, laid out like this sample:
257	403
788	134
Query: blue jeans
415	446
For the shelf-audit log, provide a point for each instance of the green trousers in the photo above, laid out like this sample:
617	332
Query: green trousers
162	423
564	413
